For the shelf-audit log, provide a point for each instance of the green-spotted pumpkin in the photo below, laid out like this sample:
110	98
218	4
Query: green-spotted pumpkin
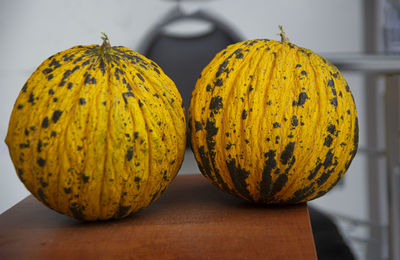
272	123
97	132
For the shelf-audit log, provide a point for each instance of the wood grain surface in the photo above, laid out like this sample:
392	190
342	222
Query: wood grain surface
191	220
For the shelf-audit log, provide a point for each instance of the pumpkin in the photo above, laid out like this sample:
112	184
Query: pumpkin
97	132
272	123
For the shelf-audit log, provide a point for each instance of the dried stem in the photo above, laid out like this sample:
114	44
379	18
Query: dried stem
284	38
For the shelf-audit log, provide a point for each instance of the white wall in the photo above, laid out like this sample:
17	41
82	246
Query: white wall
31	31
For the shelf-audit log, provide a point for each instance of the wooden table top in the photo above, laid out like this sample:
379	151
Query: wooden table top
191	220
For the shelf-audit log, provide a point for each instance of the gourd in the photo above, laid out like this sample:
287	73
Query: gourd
97	132
273	123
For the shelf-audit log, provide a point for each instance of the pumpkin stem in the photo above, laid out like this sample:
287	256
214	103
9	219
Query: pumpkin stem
104	49
106	42
284	38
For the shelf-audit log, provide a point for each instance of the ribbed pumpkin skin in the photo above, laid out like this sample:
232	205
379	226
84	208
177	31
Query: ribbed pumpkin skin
97	134
272	123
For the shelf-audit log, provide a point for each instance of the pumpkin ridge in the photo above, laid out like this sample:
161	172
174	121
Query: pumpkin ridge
161	103
266	123
228	167
161	95
163	99
107	140
336	111
216	110
280	174
61	151
124	208
138	93
67	157
57	148
233	171
32	153
264	79
207	153
37	135
149	127
202	155
136	129
149	154
285	157
135	92
94	94
322	89
46	64
76	94
298	109
74	209
161	181
224	92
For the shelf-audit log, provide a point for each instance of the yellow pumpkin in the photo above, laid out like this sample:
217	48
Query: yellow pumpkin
97	132
272	122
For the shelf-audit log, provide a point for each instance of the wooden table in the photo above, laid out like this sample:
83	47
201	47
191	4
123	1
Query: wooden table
191	220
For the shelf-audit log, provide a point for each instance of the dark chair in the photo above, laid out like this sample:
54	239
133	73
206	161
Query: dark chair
329	242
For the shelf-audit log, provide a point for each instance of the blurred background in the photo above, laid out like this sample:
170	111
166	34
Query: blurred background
186	34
